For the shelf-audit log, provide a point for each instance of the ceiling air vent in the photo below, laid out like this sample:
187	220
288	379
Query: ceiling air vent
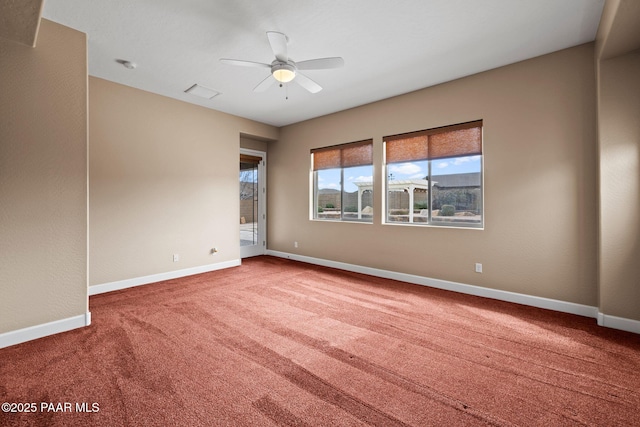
202	92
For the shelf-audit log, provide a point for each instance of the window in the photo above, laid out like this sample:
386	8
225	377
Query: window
434	177
343	182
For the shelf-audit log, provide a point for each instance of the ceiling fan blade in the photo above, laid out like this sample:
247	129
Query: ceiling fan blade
307	83
265	84
244	63
320	63
278	42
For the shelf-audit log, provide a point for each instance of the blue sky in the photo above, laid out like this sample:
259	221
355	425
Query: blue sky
411	170
330	178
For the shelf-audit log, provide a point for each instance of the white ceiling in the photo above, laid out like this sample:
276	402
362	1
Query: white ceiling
389	48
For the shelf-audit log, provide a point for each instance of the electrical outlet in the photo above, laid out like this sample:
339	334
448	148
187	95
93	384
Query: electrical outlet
176	257
478	267
295	244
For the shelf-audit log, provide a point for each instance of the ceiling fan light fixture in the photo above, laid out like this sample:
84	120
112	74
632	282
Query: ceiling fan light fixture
283	73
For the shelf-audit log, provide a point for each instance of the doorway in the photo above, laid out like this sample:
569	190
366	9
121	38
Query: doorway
253	194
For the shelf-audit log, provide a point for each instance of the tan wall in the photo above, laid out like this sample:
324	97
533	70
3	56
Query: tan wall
43	178
253	144
619	123
619	159
163	180
540	160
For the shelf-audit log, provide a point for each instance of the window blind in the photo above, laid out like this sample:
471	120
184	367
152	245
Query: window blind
464	139
343	156
246	158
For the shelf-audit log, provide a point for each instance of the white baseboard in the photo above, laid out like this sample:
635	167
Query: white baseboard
145	280
621	323
530	300
39	331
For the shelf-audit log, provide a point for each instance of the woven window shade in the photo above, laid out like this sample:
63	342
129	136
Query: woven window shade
456	143
343	156
245	158
357	155
449	141
328	159
411	147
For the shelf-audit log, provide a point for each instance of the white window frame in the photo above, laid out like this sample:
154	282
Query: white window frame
427	184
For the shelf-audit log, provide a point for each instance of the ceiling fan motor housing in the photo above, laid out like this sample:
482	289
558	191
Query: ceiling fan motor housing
283	72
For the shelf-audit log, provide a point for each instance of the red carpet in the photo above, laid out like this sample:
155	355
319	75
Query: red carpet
276	342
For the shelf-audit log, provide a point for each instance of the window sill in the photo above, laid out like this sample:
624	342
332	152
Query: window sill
347	221
432	225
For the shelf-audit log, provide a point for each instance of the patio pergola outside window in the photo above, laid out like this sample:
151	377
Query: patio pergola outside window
407	186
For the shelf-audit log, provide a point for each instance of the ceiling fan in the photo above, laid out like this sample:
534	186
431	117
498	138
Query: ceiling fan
284	69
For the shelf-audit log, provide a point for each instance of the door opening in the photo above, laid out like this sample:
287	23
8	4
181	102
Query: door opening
252	203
